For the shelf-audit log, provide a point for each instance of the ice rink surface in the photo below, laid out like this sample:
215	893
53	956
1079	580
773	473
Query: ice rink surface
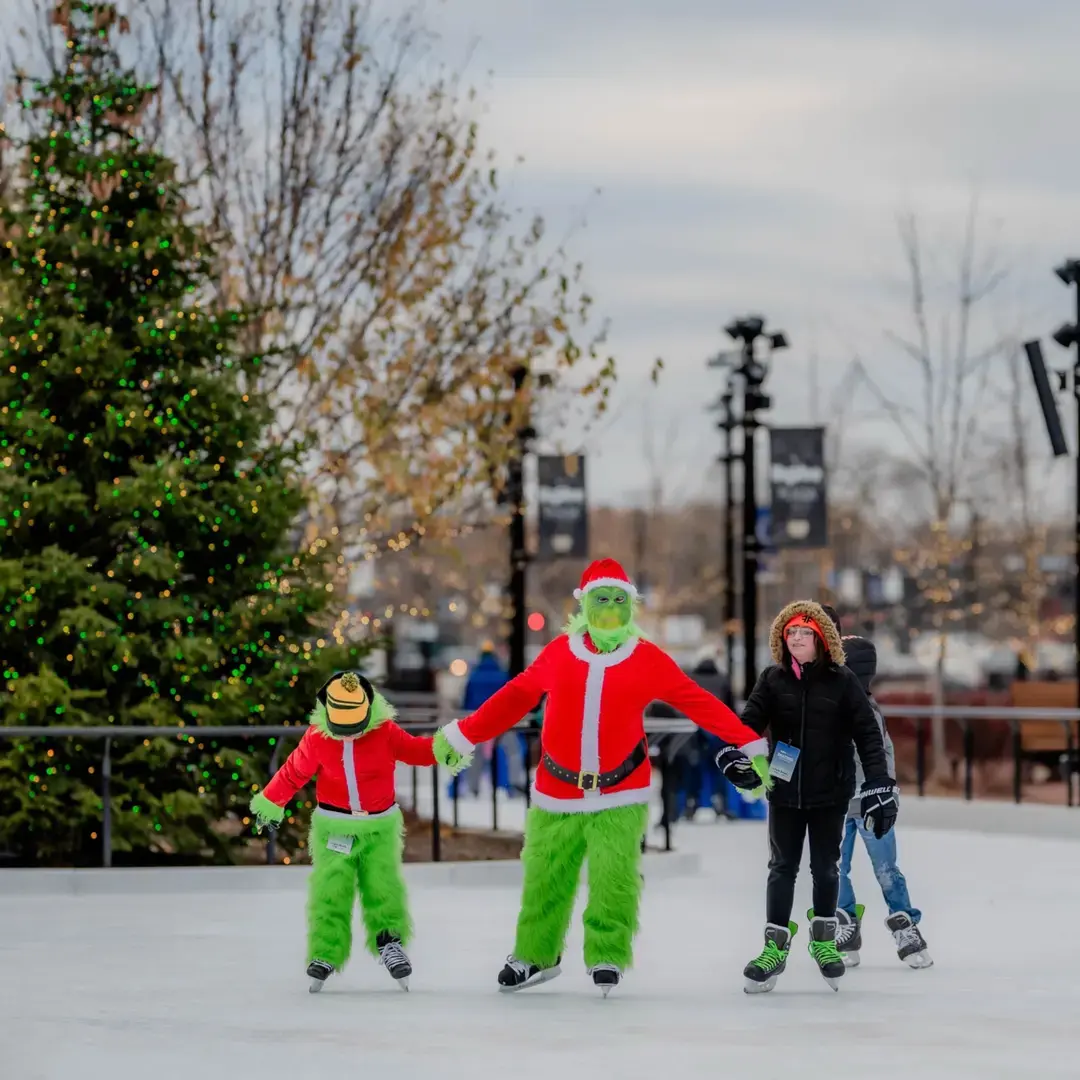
209	985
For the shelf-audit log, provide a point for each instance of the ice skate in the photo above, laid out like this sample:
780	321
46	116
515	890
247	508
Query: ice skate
518	975
910	944
849	935
606	977
318	971
392	957
761	973
822	947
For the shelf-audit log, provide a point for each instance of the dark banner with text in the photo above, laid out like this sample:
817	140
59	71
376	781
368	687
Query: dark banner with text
563	509
800	516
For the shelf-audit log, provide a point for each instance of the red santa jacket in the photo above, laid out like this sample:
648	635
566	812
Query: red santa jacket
354	776
595	716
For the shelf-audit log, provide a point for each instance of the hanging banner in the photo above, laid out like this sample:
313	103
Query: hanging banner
797	480
563	511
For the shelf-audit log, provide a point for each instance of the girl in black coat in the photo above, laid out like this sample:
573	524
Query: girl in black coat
814	709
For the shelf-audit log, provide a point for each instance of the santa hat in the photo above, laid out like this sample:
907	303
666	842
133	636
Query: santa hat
604	572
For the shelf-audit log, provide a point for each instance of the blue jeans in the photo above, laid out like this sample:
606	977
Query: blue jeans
883	859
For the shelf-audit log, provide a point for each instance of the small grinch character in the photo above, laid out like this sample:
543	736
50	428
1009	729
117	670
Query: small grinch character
357	831
593	782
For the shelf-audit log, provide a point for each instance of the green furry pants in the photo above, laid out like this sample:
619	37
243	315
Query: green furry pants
555	846
372	869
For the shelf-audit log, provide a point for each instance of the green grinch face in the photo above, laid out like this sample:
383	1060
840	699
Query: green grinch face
607	608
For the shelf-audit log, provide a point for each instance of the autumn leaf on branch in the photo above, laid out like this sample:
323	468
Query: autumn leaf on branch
395	294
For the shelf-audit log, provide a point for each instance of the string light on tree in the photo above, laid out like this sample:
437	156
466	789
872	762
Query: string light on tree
145	517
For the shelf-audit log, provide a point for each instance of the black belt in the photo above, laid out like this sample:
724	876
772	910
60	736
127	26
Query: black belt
591	781
352	813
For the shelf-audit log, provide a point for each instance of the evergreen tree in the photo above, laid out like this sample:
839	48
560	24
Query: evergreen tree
149	571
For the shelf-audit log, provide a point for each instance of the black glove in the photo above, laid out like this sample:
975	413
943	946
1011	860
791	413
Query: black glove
738	768
879	806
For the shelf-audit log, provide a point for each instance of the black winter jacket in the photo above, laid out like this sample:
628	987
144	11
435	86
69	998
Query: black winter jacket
821	714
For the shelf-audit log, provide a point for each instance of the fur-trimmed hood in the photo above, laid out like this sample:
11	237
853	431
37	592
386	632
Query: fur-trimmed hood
815	612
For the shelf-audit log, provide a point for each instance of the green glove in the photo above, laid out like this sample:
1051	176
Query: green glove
267	814
447	756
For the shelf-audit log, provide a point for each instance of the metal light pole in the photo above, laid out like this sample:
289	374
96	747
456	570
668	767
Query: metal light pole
519	557
727	425
747	330
1068	336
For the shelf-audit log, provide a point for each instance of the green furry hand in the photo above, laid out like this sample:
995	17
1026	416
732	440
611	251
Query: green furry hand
267	814
761	767
447	756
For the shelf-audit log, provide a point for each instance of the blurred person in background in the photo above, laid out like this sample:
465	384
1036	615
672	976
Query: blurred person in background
903	919
486	678
703	747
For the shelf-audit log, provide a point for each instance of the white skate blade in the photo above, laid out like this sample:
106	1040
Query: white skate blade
919	960
851	959
751	987
546	975
834	983
316	985
403	983
605	990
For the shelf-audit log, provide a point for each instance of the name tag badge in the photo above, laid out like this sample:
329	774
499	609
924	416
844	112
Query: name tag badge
783	761
341	844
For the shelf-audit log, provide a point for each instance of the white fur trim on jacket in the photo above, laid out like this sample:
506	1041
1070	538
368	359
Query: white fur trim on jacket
456	739
601	800
607	582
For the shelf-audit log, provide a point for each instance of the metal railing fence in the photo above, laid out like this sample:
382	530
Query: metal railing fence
666	737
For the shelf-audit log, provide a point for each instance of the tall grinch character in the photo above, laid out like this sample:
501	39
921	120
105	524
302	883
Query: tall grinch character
593	782
357	831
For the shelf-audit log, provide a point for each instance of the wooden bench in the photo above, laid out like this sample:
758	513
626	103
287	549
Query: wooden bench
1046	740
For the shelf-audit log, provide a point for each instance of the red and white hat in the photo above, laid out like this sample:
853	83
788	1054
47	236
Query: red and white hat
604	572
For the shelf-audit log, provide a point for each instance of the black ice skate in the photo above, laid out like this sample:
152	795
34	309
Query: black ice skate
518	975
822	947
910	944
761	972
318	971
606	977
849	935
392	957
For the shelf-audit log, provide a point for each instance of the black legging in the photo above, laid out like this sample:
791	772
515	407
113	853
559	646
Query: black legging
787	830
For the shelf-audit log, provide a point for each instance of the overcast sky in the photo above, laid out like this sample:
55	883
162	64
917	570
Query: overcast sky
753	157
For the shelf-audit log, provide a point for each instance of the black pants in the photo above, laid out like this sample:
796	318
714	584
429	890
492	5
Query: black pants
788	828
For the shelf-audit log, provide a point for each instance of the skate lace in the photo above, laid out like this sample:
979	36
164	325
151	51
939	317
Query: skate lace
845	932
825	950
908	935
392	954
770	957
519	967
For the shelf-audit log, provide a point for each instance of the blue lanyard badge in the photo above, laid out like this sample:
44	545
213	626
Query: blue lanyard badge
783	761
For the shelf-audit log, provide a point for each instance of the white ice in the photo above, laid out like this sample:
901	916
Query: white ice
208	985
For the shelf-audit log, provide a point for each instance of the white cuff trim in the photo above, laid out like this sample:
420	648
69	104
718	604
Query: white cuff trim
758	746
456	739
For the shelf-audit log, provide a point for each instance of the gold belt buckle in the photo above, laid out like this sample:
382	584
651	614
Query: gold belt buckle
584	776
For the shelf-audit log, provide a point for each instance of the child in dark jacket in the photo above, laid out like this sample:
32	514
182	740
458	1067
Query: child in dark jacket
816	714
903	919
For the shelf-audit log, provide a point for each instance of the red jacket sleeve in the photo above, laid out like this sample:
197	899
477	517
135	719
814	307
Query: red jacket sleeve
412	749
300	766
674	686
501	711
